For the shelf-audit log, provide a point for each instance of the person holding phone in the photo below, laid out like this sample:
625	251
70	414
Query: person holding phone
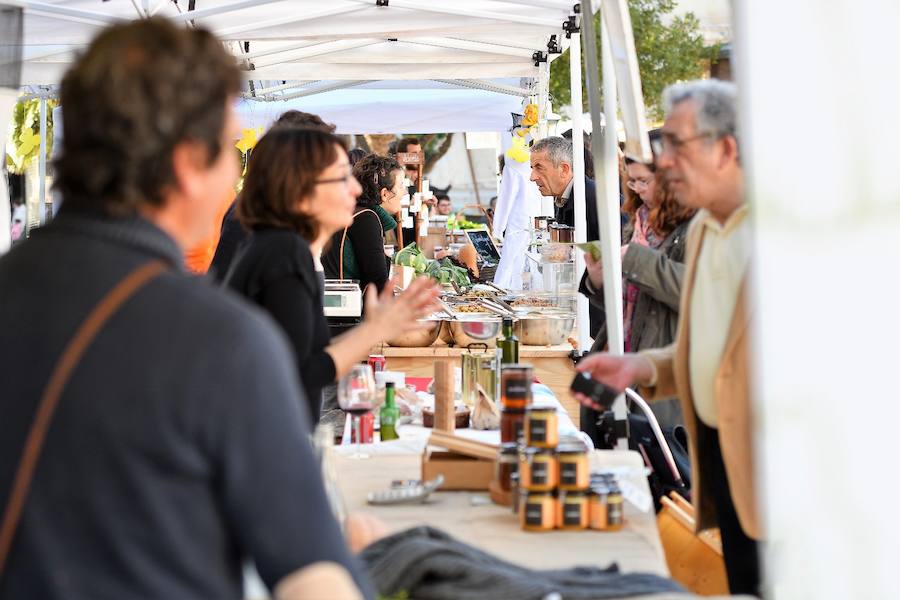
708	365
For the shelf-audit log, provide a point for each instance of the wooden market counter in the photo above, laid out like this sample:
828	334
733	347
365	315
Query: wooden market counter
472	518
552	366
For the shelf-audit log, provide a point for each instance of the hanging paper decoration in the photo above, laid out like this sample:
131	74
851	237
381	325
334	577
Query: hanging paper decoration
519	150
523	127
531	115
24	138
248	140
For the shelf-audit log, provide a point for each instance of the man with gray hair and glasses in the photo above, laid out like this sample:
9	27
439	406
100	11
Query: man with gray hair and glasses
551	170
707	366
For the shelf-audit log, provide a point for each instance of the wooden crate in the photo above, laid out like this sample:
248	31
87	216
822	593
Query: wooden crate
694	560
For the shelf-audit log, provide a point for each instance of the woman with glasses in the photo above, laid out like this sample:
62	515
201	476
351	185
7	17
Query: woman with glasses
292	214
357	252
652	267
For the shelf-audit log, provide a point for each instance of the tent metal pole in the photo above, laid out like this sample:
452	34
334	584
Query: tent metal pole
54	54
65	13
159	4
258	53
433	7
317	50
287	86
338	85
563	5
218	10
228	32
460	44
478	84
543	99
42	164
583	315
606	167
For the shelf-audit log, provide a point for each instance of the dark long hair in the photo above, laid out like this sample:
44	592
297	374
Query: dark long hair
283	169
668	213
374	174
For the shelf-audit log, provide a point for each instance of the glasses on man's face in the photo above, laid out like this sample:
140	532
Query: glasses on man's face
637	185
670	143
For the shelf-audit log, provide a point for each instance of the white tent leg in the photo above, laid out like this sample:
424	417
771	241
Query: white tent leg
42	164
583	316
606	167
612	211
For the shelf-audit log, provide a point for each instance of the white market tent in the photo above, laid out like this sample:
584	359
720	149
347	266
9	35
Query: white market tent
476	55
374	66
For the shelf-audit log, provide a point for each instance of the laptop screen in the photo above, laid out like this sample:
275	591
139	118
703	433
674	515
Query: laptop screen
484	245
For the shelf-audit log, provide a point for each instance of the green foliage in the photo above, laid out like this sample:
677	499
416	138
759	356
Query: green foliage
669	48
23	143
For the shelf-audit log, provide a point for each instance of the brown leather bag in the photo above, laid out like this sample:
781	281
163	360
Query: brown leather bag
62	371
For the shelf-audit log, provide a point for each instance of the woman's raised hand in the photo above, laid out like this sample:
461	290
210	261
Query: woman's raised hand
398	314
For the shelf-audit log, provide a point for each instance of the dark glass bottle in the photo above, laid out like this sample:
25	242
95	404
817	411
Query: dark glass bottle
389	414
509	343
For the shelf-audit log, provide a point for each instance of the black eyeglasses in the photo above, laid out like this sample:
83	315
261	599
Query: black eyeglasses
669	142
345	180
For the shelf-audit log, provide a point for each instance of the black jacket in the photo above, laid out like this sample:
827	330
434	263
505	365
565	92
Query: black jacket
275	270
367	236
565	215
231	238
178	447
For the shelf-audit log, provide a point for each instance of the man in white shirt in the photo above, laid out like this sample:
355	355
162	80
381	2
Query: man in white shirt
707	366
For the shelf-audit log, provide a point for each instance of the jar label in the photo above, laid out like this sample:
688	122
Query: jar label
534	513
572	514
537	430
614	514
516	389
540	473
568	473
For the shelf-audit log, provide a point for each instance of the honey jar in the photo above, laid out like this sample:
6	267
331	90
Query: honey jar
572	511
507	464
512	425
597	507
515	386
574	469
539	470
542	428
615	509
538	512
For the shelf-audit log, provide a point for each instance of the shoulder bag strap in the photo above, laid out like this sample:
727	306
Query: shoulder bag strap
59	377
344	237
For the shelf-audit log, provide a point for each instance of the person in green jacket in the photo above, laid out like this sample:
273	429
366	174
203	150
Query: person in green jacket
357	252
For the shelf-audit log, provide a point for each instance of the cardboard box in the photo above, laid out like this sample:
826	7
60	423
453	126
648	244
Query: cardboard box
465	464
460	472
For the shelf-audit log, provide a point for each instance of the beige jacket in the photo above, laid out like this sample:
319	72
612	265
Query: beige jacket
732	396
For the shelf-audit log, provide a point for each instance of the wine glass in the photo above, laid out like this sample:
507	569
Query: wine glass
356	395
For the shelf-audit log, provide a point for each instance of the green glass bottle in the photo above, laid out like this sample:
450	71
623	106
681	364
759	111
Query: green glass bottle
389	414
509	343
